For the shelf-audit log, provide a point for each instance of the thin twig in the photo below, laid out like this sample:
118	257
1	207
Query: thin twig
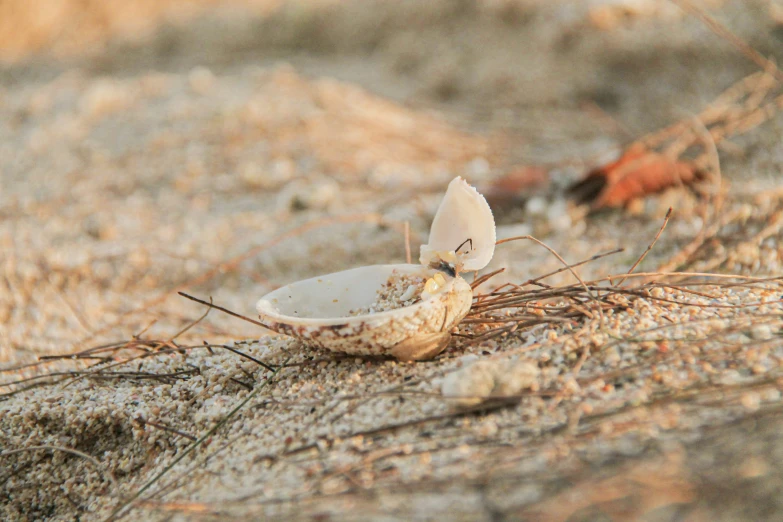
649	247
224	310
167	428
553	252
486	277
242	354
191	325
407	232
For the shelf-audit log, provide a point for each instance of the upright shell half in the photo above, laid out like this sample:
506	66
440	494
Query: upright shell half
403	310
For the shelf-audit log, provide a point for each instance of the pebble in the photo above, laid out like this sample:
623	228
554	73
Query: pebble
487	378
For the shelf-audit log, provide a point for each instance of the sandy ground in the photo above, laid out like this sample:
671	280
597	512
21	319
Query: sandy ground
226	148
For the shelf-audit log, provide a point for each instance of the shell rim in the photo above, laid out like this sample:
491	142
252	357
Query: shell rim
279	318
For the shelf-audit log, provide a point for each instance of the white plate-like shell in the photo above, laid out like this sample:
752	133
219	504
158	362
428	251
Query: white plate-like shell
463	215
316	310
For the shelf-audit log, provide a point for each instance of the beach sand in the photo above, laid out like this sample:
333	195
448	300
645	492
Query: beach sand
226	148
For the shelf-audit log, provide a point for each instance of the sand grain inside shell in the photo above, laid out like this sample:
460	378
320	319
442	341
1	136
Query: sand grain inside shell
400	290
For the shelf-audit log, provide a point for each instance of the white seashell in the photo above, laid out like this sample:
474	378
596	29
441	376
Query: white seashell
317	310
321	310
463	225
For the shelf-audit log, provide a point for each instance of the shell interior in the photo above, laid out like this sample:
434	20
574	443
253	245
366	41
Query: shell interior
333	296
463	223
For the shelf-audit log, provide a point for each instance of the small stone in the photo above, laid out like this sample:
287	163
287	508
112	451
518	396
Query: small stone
751	401
536	206
753	467
309	195
558	217
487	428
470	384
761	332
105	97
520	376
612	356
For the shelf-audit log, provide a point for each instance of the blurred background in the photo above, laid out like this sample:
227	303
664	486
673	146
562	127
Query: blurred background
225	147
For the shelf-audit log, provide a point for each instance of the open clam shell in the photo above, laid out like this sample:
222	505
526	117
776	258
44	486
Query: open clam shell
318	311
322	311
